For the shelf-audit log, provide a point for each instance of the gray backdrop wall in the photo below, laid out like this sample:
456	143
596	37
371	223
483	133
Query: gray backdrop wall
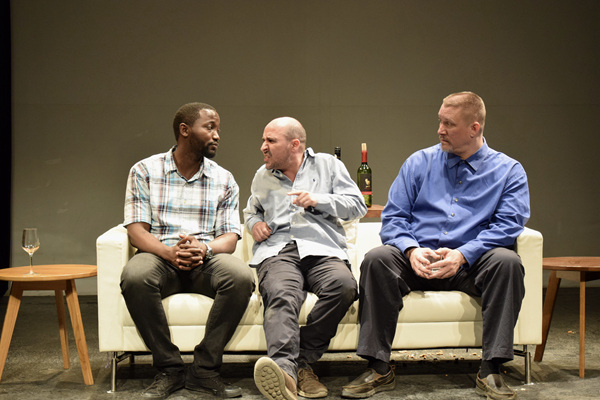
96	83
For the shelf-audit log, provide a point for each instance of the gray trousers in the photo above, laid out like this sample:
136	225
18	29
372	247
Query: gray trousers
387	276
284	281
147	279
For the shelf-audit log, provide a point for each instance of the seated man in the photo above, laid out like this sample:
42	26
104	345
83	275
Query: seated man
181	212
452	217
298	199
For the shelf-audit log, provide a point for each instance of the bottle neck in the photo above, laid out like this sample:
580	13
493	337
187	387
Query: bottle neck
364	157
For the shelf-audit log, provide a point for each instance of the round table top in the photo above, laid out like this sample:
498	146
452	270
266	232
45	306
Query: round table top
571	263
55	272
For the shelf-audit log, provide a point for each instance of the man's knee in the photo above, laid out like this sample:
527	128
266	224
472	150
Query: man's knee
239	274
344	286
135	274
507	261
376	258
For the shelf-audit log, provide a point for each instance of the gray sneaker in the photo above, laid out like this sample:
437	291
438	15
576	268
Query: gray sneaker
273	382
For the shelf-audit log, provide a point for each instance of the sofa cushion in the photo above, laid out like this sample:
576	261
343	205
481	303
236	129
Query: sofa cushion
189	309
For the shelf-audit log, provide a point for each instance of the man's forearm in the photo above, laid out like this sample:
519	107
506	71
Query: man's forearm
141	238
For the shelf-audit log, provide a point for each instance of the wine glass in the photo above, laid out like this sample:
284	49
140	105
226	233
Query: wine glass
31	243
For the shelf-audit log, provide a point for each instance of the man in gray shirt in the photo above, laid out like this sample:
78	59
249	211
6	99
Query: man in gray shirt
294	213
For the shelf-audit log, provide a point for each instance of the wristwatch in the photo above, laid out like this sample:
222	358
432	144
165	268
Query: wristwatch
209	252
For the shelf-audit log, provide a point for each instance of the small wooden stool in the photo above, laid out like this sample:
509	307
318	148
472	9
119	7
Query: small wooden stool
49	277
579	269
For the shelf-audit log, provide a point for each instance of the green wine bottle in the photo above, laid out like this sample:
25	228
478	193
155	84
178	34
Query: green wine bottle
365	178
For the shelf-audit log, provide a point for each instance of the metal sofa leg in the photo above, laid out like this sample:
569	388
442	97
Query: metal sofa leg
115	359
527	357
113	372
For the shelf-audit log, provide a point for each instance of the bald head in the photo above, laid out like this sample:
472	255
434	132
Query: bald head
290	127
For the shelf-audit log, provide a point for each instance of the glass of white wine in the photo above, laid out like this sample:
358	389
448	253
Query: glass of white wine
31	243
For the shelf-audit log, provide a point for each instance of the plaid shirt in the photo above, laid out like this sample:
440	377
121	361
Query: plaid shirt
205	206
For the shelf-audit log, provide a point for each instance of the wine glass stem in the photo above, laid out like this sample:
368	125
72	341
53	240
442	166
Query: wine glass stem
31	264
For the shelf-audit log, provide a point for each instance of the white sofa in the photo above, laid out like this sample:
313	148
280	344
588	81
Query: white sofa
428	320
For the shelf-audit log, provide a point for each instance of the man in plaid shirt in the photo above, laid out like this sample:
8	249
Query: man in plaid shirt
181	213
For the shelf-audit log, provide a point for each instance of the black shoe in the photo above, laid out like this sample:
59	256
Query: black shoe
493	387
164	385
369	383
211	384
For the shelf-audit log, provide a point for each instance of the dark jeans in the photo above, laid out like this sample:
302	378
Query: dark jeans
386	276
147	279
284	281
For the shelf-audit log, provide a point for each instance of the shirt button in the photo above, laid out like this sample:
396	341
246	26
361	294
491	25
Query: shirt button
445	232
455	200
452	215
460	182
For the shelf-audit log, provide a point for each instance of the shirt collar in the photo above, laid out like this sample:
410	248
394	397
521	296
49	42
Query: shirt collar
474	161
170	166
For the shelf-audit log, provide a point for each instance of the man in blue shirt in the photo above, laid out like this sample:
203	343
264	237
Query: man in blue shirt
452	217
298	201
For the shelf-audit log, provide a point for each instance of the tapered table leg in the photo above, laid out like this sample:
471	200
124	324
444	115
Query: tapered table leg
62	327
78	333
14	302
549	302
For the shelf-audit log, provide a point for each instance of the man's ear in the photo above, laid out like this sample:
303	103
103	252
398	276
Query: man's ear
475	128
184	129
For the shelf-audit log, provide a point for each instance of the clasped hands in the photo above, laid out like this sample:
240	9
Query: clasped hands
188	253
435	264
261	231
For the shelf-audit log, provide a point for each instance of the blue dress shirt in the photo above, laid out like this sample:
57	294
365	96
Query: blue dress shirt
439	200
318	231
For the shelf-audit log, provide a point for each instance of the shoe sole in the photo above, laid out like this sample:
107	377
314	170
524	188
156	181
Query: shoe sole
382	388
269	379
318	395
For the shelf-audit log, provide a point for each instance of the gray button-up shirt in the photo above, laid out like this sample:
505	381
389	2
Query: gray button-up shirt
318	231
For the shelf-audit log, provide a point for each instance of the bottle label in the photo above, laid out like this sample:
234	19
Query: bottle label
364	184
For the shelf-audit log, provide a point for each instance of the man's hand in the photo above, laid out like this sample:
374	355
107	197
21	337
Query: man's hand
261	232
303	199
421	260
450	262
189	252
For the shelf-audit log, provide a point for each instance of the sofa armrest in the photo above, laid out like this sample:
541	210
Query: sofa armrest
113	250
367	238
529	246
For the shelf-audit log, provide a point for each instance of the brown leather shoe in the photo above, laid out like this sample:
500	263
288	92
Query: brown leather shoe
369	383
309	385
494	388
273	382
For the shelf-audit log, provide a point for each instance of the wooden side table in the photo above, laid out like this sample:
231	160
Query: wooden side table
374	211
49	277
579	269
